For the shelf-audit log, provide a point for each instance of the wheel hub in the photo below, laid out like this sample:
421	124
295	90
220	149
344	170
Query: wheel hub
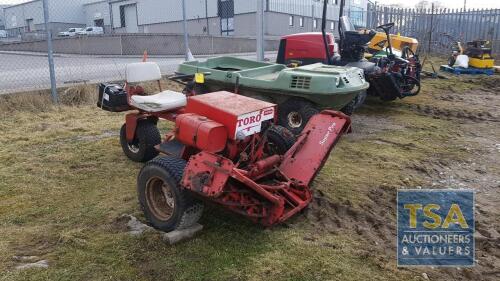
133	147
160	198
294	119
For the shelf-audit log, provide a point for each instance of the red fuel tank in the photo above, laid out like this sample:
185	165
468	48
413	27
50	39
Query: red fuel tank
199	131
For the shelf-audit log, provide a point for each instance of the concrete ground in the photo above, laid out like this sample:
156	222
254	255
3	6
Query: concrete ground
29	71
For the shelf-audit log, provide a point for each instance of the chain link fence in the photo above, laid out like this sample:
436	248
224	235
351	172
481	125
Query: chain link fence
93	40
438	29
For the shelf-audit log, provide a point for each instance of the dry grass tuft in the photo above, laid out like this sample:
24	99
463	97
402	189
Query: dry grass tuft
28	101
79	95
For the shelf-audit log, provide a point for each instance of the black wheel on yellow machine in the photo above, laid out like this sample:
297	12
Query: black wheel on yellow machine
166	205
142	148
451	61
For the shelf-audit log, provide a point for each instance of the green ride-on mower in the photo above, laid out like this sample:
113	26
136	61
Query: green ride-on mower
300	92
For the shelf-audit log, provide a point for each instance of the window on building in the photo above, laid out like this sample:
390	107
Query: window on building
315	23
99	22
290	21
332	25
122	17
301	21
226	14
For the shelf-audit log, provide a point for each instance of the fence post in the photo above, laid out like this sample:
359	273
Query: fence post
260	30
431	29
50	53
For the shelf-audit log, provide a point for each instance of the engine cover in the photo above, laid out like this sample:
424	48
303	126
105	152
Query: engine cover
242	116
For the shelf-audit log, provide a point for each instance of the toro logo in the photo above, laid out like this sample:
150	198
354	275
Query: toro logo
436	227
250	123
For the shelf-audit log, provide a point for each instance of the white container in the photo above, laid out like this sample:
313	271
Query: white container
462	61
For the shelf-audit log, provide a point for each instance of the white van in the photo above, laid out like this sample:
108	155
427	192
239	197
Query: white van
91	30
3	34
70	32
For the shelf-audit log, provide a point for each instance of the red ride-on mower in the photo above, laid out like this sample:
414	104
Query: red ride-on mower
225	148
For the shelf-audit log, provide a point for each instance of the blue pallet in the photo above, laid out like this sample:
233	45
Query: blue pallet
470	70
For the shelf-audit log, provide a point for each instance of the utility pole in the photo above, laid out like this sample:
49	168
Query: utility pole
186	39
206	15
465	4
260	30
50	53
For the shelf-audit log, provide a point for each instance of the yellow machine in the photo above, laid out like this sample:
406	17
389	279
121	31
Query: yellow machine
478	51
379	42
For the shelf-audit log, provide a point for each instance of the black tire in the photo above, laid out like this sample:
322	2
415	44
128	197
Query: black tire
160	175
451	61
295	113
142	148
350	107
279	140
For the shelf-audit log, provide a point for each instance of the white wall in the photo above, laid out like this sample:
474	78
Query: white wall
16	16
98	10
67	11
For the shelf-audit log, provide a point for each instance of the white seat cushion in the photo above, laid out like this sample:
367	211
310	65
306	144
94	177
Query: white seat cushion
164	101
143	72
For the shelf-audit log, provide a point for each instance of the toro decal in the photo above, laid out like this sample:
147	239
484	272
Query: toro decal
436	227
251	123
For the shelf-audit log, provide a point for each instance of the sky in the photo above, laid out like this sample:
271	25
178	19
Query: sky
447	3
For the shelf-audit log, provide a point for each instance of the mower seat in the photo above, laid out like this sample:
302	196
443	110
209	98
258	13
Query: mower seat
164	101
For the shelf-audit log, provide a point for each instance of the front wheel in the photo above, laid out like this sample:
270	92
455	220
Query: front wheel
142	147
166	205
295	113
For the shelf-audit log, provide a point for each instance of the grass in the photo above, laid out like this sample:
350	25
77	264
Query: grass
64	181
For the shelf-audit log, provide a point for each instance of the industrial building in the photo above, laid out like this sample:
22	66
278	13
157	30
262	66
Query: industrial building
28	17
205	17
226	17
2	16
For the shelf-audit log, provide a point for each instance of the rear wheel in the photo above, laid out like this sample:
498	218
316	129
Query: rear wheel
142	147
295	113
166	205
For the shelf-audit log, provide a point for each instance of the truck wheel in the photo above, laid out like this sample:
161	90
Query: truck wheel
142	148
279	140
166	205
295	113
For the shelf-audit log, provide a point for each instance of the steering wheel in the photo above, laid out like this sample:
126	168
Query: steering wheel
386	26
